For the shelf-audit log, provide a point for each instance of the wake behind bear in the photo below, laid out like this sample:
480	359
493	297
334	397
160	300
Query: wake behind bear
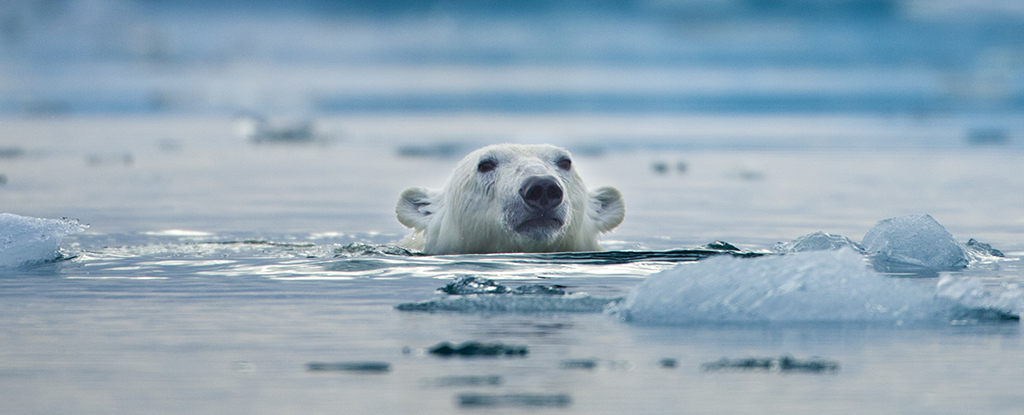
510	198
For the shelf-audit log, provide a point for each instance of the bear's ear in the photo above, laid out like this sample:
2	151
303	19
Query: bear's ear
415	207
608	208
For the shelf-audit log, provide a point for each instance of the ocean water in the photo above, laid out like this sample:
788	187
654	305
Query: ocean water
215	270
197	207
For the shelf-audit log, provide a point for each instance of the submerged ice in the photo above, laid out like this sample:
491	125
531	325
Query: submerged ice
25	240
821	286
470	294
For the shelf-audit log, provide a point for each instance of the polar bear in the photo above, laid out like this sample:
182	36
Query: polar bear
510	198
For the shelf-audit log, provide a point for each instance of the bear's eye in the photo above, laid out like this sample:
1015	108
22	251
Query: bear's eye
486	166
564	164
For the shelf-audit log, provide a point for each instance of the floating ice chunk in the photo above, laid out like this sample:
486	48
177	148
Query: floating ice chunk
818	241
25	240
915	241
363	249
539	289
820	286
469	294
469	284
981	250
780	364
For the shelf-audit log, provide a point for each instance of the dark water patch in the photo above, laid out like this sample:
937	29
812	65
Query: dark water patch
587	364
360	260
11	152
475	400
463	381
625	257
513	304
988	137
774	364
473	348
369	367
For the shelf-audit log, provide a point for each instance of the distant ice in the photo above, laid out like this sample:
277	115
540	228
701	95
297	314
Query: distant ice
25	240
820	286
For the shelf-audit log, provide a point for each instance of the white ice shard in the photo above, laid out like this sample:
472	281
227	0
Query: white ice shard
819	286
915	241
818	241
26	240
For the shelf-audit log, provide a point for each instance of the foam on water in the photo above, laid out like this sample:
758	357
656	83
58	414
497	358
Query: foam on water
25	240
821	286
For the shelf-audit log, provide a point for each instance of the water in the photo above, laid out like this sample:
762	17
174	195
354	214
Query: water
224	260
214	270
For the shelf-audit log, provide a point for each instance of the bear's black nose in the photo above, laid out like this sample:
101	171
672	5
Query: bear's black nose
541	192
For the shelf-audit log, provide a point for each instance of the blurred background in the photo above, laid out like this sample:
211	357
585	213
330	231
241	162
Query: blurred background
308	58
313	115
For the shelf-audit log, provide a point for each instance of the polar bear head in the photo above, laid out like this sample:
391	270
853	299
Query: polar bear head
510	198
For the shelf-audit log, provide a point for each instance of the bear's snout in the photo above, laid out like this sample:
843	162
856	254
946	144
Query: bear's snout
541	192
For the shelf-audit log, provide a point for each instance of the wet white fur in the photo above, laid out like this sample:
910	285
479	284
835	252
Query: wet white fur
476	212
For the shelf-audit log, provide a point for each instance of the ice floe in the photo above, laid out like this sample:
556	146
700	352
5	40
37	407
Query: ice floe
27	240
820	286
